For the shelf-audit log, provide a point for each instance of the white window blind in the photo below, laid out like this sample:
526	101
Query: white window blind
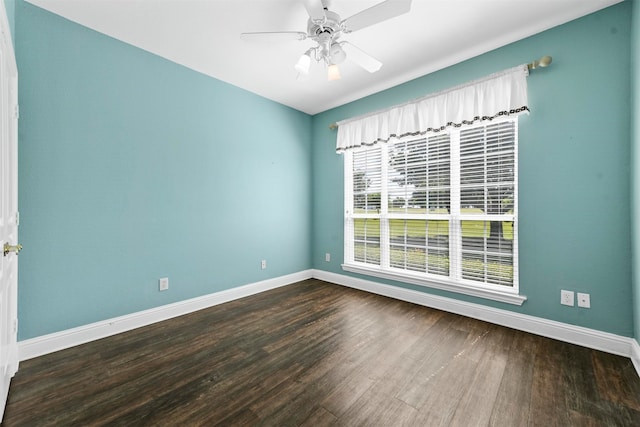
367	189
438	209
487	195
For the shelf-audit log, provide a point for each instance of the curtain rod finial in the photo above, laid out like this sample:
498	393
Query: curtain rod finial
545	61
333	126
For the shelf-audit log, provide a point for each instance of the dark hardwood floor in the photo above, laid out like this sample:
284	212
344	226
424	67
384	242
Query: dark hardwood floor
317	354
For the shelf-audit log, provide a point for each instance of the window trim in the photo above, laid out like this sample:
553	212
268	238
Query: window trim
508	296
489	291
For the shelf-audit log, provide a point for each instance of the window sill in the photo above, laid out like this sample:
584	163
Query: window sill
506	297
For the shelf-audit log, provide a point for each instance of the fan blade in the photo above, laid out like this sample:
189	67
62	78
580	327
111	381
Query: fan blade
315	9
378	13
274	37
361	58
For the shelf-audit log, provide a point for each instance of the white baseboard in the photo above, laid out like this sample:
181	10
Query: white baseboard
50	343
585	337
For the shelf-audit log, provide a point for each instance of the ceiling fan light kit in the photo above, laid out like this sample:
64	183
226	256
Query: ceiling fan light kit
325	27
304	63
333	72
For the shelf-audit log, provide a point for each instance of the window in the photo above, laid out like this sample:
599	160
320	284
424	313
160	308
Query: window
438	210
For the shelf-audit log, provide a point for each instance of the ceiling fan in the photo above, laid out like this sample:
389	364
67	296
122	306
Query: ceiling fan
326	27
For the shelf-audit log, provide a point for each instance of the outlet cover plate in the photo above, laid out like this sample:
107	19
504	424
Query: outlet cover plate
163	284
566	298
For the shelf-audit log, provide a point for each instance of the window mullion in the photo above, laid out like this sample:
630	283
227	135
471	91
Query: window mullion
384	209
486	203
349	235
516	275
455	237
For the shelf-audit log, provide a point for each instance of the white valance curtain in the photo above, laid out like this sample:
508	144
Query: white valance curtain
498	94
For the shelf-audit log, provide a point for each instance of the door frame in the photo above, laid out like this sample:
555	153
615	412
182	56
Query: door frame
9	135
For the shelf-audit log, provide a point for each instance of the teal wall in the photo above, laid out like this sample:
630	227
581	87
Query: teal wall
574	169
134	168
635	144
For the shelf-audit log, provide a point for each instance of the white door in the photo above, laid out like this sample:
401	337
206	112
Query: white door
9	216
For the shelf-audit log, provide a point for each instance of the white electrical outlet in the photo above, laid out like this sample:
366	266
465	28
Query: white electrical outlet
566	298
163	284
327	257
584	300
263	264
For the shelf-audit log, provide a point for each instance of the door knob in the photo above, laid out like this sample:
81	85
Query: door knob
12	248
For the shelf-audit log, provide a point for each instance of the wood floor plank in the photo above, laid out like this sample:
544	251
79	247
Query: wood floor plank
444	391
450	342
476	404
615	379
317	354
377	408
320	417
512	403
549	390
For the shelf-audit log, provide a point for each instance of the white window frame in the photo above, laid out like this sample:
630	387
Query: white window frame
453	282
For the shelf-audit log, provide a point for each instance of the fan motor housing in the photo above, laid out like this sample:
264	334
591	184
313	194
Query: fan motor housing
331	25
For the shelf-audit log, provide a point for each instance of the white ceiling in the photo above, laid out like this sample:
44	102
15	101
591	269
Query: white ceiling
204	35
